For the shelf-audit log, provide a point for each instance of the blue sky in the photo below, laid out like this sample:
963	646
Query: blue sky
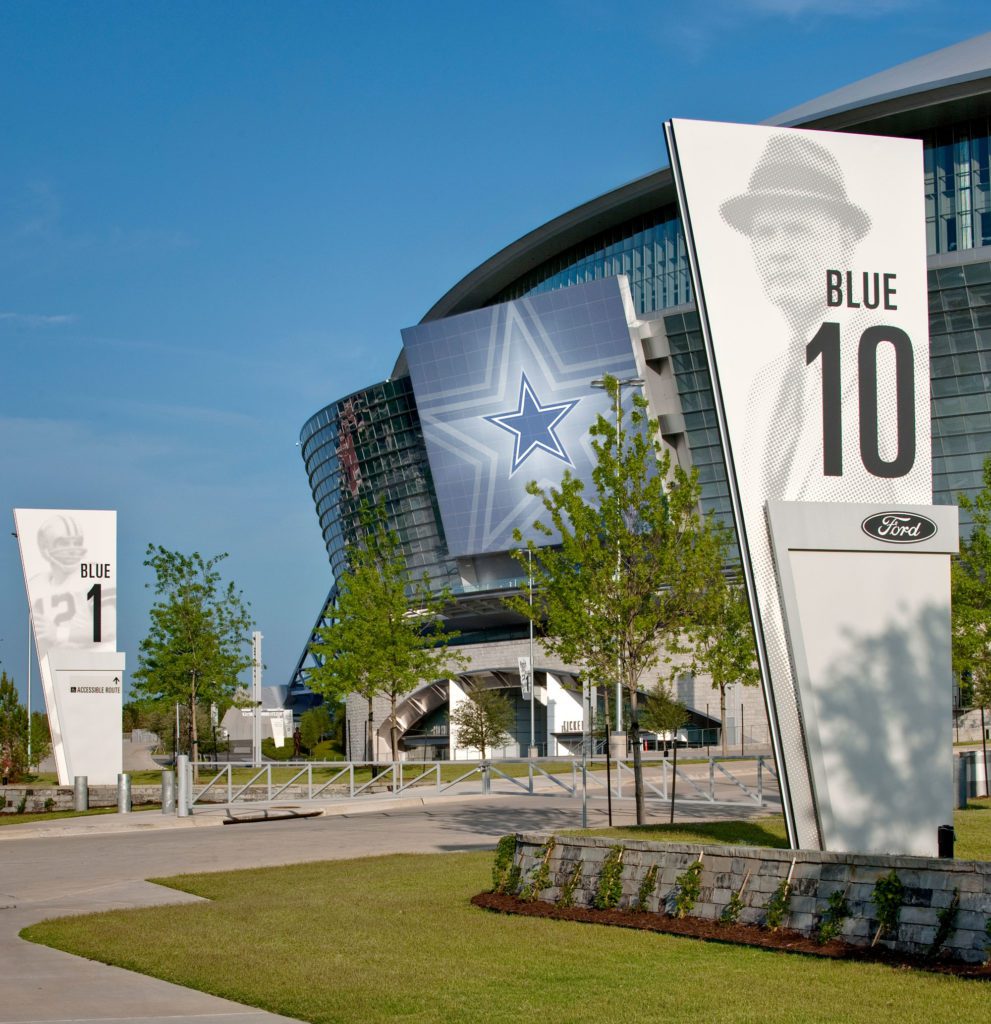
216	217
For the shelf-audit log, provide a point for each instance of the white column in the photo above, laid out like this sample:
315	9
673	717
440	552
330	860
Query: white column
562	706
457	697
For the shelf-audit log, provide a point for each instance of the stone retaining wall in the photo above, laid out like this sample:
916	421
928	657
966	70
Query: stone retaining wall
929	886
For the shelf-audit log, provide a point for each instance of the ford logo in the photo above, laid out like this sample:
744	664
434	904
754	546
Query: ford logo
899	527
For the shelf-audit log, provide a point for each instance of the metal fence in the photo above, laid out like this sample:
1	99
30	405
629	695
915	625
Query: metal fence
706	781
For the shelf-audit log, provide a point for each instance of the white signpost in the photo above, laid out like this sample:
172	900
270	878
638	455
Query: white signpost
808	259
69	559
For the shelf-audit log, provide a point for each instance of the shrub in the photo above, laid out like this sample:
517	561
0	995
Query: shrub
647	887
777	906
689	886
503	865
541	877
567	897
732	910
887	898
831	923
610	888
947	918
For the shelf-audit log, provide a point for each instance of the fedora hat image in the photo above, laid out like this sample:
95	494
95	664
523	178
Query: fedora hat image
794	171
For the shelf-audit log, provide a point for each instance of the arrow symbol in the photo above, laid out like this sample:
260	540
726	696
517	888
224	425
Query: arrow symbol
116	679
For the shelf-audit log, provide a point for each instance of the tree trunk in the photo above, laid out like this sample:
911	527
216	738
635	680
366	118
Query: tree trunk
637	757
722	717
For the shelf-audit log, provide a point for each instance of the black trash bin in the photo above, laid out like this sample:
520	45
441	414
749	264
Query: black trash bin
944	841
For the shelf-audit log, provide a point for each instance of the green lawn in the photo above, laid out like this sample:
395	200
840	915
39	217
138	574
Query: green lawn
395	938
30	816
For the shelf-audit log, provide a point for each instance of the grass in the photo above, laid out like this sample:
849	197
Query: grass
32	816
395	938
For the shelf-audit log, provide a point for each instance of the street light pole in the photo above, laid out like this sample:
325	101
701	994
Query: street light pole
625	382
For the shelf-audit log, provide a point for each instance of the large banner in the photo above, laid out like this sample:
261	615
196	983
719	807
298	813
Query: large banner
69	558
809	263
505	397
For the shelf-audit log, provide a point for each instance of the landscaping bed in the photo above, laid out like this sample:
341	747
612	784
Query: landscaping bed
784	940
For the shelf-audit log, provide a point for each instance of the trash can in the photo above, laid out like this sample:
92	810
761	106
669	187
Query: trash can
944	841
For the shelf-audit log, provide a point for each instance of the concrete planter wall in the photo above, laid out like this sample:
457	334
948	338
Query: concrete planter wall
928	886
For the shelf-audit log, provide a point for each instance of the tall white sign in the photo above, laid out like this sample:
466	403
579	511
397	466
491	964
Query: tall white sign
809	265
69	559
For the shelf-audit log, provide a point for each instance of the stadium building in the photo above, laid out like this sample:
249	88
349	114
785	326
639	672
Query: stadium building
387	441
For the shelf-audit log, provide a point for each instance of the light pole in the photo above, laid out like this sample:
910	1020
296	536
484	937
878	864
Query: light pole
533	673
624	382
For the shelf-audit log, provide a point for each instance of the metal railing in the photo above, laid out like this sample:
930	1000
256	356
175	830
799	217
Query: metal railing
710	781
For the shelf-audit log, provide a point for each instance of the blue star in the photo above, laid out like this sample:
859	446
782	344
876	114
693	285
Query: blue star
532	425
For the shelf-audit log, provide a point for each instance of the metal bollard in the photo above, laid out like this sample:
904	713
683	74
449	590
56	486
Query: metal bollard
168	792
182	785
124	794
80	793
961	765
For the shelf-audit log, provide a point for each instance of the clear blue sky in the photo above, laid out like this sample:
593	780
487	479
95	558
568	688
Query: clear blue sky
216	217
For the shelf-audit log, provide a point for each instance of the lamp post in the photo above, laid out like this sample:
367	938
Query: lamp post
532	752
624	382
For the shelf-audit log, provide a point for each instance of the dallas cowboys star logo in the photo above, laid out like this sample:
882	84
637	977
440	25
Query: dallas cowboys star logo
532	425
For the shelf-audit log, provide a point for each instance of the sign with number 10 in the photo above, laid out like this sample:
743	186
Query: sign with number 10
809	264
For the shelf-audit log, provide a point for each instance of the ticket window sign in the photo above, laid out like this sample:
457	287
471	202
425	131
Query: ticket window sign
69	560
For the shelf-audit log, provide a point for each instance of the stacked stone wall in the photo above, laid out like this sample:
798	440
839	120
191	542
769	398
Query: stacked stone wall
929	887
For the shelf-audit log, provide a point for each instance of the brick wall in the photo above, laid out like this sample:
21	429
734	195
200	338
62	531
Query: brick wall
929	885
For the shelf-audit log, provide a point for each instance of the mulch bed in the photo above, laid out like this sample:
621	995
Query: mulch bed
782	940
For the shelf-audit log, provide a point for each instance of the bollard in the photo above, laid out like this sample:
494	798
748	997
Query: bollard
168	792
182	785
961	766
80	793
944	841
124	794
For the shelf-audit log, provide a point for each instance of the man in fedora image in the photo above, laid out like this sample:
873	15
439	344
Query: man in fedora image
799	221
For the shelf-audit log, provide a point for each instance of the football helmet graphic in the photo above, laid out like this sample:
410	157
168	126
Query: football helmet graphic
61	543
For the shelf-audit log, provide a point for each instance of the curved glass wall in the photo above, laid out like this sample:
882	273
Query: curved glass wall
650	249
368	448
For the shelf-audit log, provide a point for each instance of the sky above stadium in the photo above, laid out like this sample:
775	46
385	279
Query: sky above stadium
216	218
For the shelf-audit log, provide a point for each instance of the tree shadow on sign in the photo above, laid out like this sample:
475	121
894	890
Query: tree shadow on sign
883	712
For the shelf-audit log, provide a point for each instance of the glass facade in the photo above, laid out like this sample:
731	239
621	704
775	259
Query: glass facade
960	372
368	448
958	186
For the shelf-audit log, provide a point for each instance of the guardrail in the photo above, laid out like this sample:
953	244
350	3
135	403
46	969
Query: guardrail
710	781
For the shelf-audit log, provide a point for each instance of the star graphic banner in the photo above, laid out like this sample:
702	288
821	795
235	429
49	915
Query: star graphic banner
504	396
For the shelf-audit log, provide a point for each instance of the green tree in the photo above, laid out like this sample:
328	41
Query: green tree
663	713
720	641
483	721
387	635
13	731
627	568
314	724
970	581
198	640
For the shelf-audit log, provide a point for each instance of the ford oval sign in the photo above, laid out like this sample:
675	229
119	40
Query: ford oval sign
899	527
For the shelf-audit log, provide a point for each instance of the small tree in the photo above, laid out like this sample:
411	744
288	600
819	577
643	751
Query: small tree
663	713
721	642
387	635
970	579
629	567
483	721
13	731
198	639
314	724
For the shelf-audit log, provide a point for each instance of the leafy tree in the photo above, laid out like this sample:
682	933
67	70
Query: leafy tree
198	640
386	637
663	713
14	728
629	567
970	580
720	641
483	721
314	724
